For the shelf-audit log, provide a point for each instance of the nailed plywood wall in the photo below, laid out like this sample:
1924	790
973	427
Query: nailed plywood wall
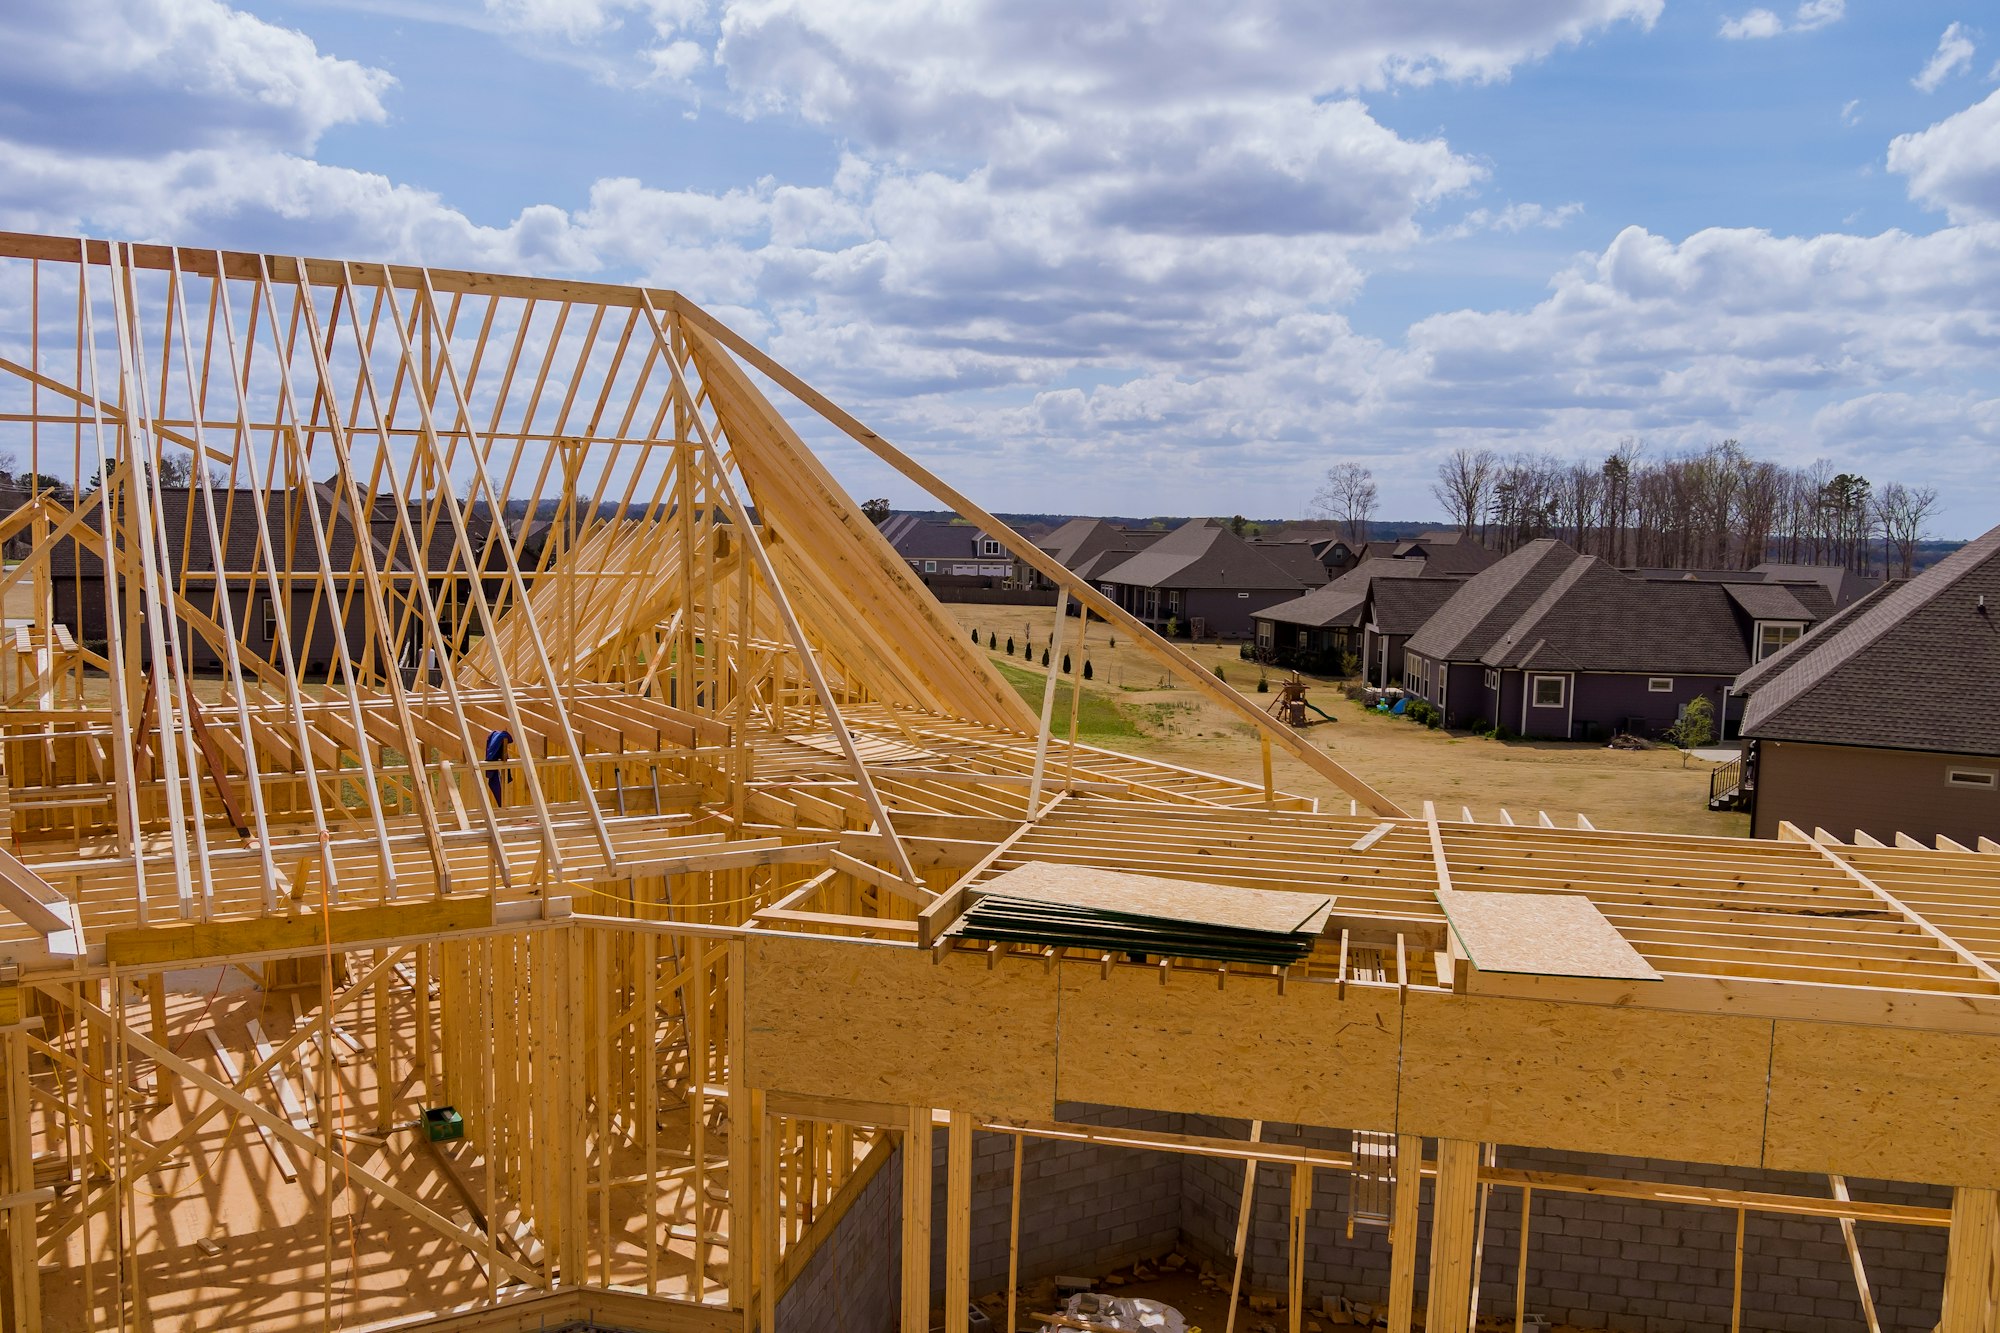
831	1018
1638	1082
835	1018
1244	1050
1885	1102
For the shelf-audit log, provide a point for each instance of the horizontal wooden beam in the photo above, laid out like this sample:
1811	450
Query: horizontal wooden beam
182	942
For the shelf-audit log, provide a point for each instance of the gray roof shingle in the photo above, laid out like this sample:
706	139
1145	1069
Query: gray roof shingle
1485	605
1593	618
1401	606
1343	601
1916	667
1201	553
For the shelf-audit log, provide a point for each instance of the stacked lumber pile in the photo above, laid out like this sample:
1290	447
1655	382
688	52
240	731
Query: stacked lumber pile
1108	911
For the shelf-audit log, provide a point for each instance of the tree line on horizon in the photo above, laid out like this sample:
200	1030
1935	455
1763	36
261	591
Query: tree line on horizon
1712	508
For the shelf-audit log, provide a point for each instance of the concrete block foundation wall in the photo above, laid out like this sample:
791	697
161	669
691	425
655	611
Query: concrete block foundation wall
1593	1262
851	1284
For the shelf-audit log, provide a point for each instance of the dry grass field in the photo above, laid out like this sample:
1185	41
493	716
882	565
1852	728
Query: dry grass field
1130	704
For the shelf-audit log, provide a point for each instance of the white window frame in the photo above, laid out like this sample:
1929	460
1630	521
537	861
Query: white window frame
930	566
1975	779
1535	691
988	546
1305	638
1244	596
1659	684
270	613
1491	679
1264	633
1797	627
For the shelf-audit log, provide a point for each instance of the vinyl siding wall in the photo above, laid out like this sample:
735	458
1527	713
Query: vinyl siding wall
1842	788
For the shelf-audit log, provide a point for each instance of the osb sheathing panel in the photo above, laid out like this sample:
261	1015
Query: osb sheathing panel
830	1018
1888	1103
1635	1082
1243	1050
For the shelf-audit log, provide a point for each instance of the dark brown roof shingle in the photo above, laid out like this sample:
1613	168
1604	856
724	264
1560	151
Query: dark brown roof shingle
1916	667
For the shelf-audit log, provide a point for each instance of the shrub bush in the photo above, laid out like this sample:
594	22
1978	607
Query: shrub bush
1087	673
992	642
1010	645
1065	664
1218	672
1045	657
1503	732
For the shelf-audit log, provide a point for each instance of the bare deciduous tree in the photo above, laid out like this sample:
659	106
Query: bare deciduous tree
1903	513
1348	497
1711	508
1464	485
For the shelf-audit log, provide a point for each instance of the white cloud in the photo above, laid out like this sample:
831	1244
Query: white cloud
1515	218
582	20
1955	164
1810	15
1953	56
1850	113
925	78
1755	23
80	75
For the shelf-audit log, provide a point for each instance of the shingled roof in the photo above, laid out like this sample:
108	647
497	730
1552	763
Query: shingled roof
1778	601
1488	603
1912	668
1401	606
1296	558
1593	618
1342	601
1201	553
916	538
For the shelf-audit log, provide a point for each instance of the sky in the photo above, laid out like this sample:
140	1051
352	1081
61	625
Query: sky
1155	256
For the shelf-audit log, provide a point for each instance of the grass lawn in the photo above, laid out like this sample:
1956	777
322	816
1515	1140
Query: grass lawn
1098	718
1139	710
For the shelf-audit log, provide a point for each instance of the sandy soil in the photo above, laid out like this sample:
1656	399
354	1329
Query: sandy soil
1657	790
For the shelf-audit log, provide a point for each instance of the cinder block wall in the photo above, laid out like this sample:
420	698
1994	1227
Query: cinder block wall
1596	1262
1084	1209
1593	1262
851	1285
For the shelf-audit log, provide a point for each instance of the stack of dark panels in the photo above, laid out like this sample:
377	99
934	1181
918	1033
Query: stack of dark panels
1107	911
1025	921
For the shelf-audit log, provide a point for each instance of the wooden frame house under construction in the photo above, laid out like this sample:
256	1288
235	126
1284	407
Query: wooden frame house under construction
584	941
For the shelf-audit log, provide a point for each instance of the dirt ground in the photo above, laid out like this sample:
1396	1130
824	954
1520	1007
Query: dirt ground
1656	790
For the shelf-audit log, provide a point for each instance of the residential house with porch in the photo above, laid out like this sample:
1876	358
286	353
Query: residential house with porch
1322	630
1884	724
1396	609
1200	580
1554	644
